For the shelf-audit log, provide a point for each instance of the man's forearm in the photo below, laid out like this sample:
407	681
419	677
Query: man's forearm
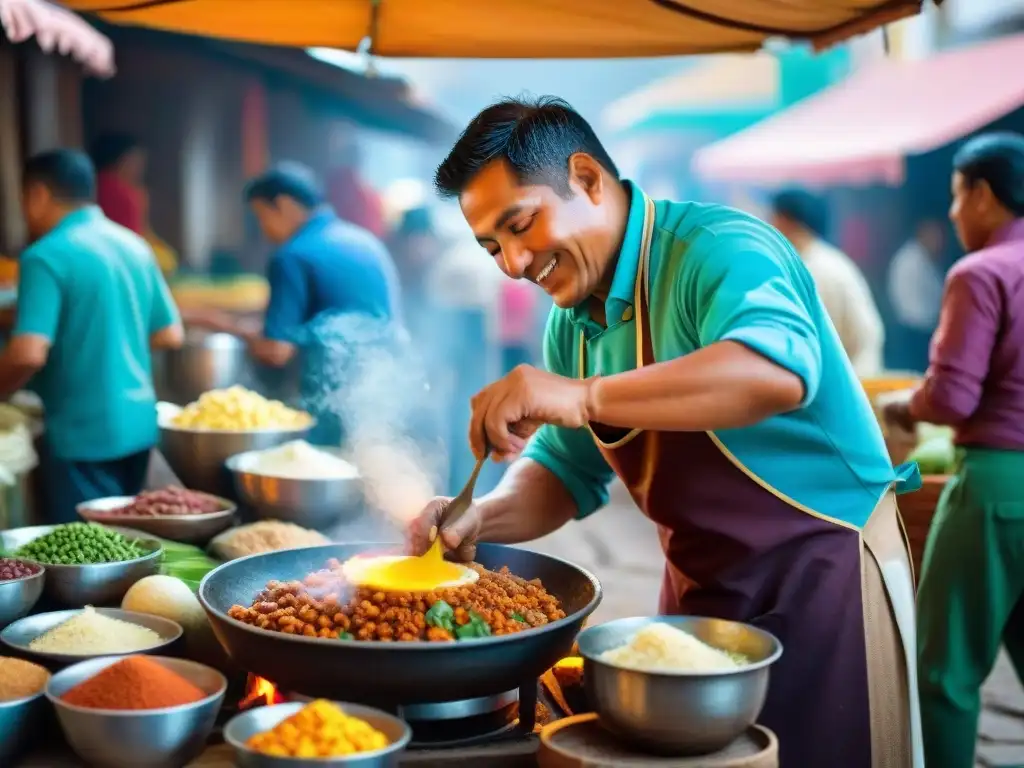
722	386
528	503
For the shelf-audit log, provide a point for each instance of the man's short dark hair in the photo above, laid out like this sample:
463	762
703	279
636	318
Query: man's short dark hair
997	158
286	179
801	207
110	148
67	173
536	138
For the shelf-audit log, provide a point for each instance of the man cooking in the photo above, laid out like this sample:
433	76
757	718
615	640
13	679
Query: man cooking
689	353
324	269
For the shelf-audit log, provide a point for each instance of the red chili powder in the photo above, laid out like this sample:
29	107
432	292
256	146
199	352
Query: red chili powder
135	682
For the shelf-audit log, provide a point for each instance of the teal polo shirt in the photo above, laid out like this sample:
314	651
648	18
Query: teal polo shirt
718	274
94	290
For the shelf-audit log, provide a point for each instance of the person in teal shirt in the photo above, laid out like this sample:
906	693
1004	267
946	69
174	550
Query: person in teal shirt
92	303
689	354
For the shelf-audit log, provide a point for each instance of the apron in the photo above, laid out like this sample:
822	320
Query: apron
840	599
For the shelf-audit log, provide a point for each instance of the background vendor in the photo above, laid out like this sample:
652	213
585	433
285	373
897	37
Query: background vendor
804	219
689	354
91	305
329	280
971	598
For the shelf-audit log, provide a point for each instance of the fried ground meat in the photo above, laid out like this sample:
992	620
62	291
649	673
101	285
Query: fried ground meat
324	605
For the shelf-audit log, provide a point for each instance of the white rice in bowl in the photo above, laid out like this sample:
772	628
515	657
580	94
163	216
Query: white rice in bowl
663	648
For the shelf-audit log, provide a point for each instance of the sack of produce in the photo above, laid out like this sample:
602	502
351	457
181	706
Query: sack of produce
263	536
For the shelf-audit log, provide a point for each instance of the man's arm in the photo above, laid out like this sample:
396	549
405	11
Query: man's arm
561	474
760	354
165	330
39	307
960	353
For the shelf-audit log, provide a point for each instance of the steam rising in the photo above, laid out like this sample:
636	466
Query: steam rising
375	384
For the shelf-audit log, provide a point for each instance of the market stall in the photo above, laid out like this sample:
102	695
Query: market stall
444	664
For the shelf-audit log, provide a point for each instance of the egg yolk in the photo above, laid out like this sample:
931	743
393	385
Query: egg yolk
414	574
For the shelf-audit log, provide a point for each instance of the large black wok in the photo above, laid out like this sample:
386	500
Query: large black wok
392	674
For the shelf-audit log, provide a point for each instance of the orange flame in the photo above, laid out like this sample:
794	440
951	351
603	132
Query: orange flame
260	692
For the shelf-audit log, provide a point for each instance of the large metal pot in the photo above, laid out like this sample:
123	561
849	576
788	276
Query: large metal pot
206	361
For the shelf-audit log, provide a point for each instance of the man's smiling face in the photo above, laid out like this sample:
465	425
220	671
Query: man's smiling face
559	243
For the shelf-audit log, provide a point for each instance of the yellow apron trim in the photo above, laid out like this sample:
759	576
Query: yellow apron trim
774	491
642	284
638	320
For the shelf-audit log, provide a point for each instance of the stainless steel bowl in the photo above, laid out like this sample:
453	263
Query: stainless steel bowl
21	633
189	529
317	504
21	722
247	724
94	584
679	713
19	596
197	456
156	738
205	361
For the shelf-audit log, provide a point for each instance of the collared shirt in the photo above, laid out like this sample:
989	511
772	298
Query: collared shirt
849	304
333	292
328	265
975	378
93	289
718	274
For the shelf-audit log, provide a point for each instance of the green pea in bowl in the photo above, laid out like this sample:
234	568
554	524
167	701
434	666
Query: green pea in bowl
77	585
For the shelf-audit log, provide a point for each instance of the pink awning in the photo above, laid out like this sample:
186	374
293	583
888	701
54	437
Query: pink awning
861	130
59	30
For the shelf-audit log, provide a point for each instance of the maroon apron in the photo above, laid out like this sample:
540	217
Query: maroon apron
738	550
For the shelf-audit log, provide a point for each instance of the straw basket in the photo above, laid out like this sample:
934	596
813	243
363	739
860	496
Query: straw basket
917	510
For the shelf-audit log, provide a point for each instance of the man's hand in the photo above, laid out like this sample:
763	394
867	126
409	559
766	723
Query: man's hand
510	410
898	414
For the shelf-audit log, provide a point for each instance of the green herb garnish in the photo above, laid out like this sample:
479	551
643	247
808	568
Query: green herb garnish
476	627
441	616
517	617
345	636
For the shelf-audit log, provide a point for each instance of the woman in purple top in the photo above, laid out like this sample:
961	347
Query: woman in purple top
972	583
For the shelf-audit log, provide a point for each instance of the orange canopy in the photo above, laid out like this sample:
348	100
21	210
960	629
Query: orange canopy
518	29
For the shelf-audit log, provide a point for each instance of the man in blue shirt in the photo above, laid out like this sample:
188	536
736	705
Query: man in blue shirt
689	354
333	290
92	303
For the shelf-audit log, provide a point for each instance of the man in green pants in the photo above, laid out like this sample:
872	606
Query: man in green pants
970	597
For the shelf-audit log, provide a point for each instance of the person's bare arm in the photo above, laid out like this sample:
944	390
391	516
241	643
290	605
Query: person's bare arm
528	503
169	337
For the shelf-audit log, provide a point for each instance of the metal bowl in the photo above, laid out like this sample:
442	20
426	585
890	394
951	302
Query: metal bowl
189	529
679	713
94	584
21	721
205	361
247	724
197	456
155	738
308	503
21	633
19	596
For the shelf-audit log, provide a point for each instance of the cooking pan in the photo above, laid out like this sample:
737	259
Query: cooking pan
394	674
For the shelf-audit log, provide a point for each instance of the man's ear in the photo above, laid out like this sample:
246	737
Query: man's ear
585	175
